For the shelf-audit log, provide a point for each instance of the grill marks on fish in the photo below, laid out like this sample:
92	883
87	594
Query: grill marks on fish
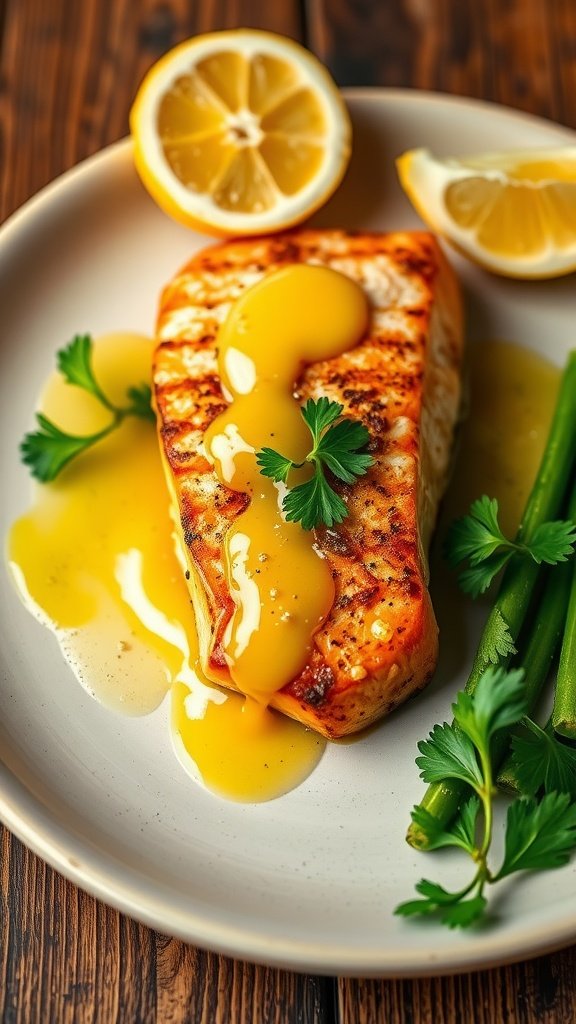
379	643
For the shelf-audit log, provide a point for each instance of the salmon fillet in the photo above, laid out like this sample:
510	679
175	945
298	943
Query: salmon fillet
379	643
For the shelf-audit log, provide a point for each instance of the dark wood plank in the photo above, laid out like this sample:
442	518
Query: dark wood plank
537	992
67	958
519	52
70	71
193	987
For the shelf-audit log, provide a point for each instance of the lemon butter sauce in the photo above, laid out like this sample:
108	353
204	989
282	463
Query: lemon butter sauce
511	402
281	585
94	557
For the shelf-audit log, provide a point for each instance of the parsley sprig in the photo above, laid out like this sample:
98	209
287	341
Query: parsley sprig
336	447
478	538
540	833
46	451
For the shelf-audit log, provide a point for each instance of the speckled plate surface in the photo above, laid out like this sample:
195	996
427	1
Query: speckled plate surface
308	881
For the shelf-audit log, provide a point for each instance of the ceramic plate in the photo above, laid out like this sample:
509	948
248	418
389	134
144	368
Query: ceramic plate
307	881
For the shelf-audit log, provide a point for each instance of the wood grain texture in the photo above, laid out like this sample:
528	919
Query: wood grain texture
66	958
518	52
68	73
540	991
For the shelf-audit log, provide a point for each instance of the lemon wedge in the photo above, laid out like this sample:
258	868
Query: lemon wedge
240	133
514	213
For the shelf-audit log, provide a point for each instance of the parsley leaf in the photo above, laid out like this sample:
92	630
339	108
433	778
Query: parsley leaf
451	907
314	501
553	542
436	893
464	913
274	465
499	701
541	762
410	908
448	754
75	364
335	446
141	402
435	896
320	414
48	450
477	535
478	538
477	578
497	643
338	449
539	835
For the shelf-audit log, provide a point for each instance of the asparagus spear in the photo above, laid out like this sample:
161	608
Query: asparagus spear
538	656
564	710
511	605
556	615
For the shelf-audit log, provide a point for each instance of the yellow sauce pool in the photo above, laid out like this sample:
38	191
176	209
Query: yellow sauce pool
94	559
511	401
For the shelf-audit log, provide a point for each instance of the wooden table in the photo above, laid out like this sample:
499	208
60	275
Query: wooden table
68	72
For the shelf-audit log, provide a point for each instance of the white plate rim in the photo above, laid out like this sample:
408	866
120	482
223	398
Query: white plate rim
28	820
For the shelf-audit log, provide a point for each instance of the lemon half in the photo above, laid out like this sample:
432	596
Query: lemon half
514	213
240	132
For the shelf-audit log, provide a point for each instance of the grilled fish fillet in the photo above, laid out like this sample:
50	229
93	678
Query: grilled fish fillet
379	644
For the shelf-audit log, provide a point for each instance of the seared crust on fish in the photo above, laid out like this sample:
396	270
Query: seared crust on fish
379	643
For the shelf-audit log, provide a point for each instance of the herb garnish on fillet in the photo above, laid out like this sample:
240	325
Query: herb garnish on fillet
48	450
335	446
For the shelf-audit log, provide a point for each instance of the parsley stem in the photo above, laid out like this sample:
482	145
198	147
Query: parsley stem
99	394
90	439
479	878
512	603
487	797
